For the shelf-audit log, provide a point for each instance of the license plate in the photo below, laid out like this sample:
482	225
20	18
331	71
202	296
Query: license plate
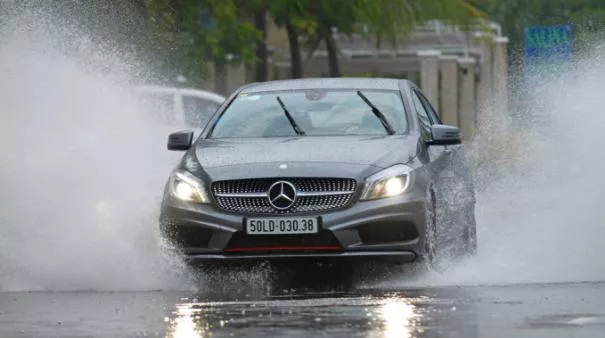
281	226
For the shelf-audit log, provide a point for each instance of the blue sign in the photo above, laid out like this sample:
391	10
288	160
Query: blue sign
546	47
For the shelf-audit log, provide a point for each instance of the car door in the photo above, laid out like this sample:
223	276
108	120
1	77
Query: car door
451	171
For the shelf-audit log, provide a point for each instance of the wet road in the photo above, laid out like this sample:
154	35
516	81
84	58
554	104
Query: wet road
551	310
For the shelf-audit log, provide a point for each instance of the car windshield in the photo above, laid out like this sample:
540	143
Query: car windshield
315	112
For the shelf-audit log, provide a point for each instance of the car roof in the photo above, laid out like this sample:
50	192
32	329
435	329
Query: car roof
154	89
202	93
324	83
187	91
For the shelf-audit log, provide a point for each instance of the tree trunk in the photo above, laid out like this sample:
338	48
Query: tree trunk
260	74
220	77
332	54
295	58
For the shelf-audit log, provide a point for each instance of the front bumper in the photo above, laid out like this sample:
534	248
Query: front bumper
390	230
347	257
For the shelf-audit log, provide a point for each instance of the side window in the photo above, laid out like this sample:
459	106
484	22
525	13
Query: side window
159	105
429	108
423	116
198	111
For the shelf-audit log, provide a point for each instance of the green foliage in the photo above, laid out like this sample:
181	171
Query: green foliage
231	33
293	12
213	30
394	19
384	19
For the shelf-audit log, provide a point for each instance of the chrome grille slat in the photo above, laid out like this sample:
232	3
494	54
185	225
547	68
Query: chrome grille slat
314	195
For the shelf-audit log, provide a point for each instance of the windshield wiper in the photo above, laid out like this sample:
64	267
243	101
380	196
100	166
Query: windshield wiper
378	114
295	126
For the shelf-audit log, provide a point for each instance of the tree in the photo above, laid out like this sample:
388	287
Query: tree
296	70
330	15
294	16
234	31
212	31
260	24
391	19
257	11
394	19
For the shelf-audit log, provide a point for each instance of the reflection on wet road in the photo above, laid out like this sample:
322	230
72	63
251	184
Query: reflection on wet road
554	310
393	315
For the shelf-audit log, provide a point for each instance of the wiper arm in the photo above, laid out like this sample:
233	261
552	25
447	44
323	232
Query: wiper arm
378	114
295	126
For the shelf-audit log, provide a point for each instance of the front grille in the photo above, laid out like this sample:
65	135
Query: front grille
314	195
261	185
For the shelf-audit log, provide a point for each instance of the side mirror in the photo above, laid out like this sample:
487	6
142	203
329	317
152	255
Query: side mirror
444	135
180	140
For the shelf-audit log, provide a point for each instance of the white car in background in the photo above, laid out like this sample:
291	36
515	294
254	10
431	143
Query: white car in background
167	108
191	108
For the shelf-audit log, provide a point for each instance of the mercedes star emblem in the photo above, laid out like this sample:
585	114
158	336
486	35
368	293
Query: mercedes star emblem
282	195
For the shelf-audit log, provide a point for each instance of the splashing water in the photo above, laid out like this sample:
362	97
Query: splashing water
541	186
82	166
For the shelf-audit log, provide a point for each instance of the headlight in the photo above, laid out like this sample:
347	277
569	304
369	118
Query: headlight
186	187
390	182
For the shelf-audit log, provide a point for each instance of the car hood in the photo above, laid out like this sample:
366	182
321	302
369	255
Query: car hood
303	156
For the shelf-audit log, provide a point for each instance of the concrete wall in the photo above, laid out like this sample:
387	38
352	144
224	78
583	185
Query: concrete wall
467	116
429	75
463	89
486	66
449	89
500	74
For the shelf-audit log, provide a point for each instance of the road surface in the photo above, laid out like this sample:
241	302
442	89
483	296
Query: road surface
541	310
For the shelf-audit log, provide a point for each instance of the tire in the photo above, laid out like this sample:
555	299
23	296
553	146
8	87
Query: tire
442	248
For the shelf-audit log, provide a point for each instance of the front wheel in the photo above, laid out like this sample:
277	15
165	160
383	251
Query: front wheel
449	236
